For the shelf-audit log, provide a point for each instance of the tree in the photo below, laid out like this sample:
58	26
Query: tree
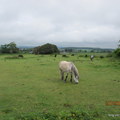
9	48
46	49
119	44
117	51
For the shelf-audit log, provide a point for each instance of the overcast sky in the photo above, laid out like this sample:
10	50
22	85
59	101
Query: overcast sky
81	23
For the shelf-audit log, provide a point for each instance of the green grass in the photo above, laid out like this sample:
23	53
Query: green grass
31	89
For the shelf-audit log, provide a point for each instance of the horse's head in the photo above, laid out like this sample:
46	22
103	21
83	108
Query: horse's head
76	78
75	73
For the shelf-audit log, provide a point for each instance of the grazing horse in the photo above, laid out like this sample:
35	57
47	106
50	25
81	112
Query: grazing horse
92	57
68	67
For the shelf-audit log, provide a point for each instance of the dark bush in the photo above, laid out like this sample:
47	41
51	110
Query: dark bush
86	55
64	56
20	56
117	52
101	56
55	55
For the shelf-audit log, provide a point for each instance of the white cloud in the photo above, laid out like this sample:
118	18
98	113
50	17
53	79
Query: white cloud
33	22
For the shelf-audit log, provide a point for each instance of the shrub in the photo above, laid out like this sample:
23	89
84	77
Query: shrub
86	55
101	56
64	56
72	54
20	56
117	52
55	55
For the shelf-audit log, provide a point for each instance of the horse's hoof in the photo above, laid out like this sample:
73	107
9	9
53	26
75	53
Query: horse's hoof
76	82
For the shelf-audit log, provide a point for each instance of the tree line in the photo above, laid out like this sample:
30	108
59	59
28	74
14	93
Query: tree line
117	51
43	49
9	48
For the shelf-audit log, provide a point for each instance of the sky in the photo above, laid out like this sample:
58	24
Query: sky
75	23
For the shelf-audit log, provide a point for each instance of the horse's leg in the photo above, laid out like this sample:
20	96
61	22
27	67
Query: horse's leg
62	75
71	77
66	77
91	59
62	78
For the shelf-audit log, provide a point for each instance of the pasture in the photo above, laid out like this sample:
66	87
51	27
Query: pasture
31	89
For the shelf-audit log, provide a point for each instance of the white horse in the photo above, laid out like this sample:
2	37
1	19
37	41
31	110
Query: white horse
68	67
92	57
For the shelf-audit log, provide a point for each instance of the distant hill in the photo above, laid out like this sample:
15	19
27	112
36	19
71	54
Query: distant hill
75	49
26	47
85	49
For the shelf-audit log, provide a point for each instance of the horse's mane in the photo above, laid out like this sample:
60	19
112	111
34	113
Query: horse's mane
75	70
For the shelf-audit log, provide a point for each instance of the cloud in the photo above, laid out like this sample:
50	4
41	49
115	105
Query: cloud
87	22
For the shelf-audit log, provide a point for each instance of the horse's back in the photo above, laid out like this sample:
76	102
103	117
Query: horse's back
65	65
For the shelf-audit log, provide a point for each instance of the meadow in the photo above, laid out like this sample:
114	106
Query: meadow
31	89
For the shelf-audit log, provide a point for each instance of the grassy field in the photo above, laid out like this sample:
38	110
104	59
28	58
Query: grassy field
31	89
